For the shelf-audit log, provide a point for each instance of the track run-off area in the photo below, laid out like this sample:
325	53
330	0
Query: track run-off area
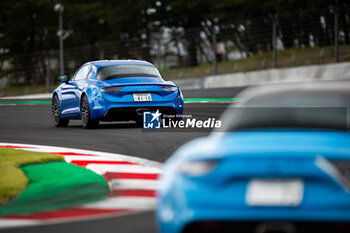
127	156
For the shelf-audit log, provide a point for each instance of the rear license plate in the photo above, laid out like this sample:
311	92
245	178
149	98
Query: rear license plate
275	192
142	97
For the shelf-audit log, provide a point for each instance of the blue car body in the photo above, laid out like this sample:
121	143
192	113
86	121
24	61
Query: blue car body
101	103
242	156
216	197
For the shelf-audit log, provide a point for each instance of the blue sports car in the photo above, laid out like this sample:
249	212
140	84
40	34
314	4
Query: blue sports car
280	164
114	90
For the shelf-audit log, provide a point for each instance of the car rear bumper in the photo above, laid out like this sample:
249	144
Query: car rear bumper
237	220
135	113
269	226
188	202
119	110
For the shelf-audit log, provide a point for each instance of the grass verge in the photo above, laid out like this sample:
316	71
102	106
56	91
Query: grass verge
12	178
56	185
287	58
15	90
33	181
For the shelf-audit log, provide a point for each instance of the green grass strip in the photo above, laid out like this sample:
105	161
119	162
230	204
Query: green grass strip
25	102
57	185
12	178
210	99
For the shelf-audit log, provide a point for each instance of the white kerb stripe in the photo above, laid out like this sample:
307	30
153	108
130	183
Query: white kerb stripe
69	158
103	168
137	203
47	150
117	184
119	157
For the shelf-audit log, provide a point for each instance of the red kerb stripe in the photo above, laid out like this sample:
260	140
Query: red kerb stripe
132	193
83	163
122	175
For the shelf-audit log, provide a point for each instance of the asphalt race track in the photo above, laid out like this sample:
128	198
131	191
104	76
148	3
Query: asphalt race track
32	124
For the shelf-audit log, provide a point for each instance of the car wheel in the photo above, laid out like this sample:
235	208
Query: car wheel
56	114
86	120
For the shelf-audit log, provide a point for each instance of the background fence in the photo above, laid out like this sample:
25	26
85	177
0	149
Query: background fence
303	38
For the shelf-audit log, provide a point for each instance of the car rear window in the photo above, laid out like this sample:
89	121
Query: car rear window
291	110
124	71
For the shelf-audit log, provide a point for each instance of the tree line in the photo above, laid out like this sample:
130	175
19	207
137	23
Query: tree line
30	26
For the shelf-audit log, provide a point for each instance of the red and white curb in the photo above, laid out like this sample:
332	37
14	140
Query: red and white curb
132	185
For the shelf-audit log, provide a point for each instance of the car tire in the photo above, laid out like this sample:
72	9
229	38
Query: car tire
86	120
139	123
56	113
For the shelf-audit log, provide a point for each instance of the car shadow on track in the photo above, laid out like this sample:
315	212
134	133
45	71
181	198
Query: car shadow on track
111	125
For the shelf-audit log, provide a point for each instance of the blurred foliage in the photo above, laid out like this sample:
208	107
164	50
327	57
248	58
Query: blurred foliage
30	26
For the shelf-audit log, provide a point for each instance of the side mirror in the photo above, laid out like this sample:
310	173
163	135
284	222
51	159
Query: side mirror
63	78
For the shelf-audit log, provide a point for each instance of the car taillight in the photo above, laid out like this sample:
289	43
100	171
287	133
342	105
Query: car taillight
169	88
111	89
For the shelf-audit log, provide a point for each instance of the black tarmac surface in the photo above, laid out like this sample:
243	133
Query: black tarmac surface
32	124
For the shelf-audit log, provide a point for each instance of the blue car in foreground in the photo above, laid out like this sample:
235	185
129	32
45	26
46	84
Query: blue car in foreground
280	164
114	90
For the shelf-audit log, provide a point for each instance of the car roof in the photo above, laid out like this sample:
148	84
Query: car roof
103	63
326	87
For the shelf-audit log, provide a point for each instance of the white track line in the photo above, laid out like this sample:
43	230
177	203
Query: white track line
32	96
6	222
